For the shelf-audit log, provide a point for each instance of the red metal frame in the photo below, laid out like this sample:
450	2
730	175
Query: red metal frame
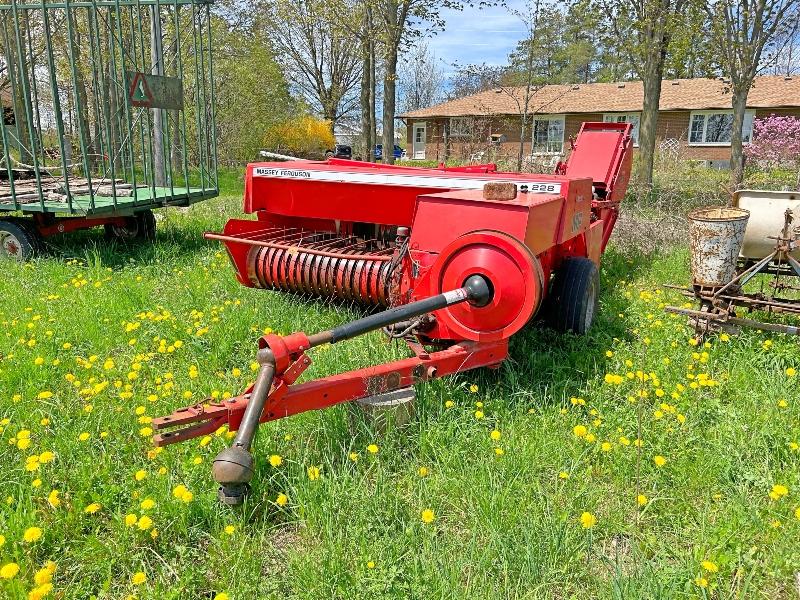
47	225
287	399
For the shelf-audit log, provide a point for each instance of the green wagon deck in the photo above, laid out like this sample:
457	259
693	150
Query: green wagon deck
84	205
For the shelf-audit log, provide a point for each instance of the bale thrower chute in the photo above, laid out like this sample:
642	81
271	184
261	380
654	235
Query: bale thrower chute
463	258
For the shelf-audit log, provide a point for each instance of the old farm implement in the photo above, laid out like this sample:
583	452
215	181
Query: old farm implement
107	114
462	258
745	257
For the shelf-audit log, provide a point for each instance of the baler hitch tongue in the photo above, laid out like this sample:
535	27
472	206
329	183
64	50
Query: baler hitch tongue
282	360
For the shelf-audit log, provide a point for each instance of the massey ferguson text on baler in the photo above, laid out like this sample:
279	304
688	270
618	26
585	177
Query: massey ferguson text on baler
463	257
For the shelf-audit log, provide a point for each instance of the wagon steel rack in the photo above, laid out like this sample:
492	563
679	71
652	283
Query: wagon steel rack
107	114
730	247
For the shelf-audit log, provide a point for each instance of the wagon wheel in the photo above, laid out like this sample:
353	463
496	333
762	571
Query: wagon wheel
17	242
141	226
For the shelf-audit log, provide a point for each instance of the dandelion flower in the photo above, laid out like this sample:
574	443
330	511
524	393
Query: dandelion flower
313	473
579	431
9	570
353	456
588	520
144	523
371	564
32	534
230	529
130	519
478	414
423	471
701	581
449	404
83	436
179	490
709	566
495	435
473	388
659	460
138	578
140	474
791	372
563	475
282	500
92	508
778	491
221	596
147	504
427	516
641	499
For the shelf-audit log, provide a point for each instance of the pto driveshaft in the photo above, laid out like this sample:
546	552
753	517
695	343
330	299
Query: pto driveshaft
233	467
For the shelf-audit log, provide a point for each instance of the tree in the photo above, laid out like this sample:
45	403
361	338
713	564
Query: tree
474	78
744	30
421	79
398	21
643	29
776	143
787	50
318	57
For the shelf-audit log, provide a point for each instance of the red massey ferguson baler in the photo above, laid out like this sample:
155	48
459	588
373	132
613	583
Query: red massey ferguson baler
461	258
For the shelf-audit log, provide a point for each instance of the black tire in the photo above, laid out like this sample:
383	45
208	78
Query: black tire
141	226
573	296
17	241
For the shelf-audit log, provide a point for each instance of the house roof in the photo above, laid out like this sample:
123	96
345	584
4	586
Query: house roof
769	91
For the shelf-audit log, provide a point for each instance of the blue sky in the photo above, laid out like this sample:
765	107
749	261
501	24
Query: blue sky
476	36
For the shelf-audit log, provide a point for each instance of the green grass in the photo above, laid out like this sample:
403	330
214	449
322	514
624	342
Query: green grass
505	526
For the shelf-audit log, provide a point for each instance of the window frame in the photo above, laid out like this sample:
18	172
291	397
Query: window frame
464	121
749	117
548	117
608	116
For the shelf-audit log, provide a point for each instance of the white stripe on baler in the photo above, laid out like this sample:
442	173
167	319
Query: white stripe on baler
431	181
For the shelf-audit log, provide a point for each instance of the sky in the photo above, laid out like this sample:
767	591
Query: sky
476	36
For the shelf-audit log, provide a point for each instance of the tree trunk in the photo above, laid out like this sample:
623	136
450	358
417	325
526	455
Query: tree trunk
653	70
364	99
389	99
739	102
373	134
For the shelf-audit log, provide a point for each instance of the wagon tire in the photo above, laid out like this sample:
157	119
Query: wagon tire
18	242
573	296
140	226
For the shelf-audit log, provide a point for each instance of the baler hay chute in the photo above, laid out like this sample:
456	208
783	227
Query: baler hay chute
730	247
463	257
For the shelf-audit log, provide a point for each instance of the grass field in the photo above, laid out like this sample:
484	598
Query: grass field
627	464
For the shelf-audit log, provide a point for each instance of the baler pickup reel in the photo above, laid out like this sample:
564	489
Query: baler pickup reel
283	359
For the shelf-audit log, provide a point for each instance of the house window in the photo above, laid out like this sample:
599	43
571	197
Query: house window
716	127
632	118
548	133
460	127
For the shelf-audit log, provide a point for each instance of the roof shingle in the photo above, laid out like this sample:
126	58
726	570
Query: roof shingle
769	91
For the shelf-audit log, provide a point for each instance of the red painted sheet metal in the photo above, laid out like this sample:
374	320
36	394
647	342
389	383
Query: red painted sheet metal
362	192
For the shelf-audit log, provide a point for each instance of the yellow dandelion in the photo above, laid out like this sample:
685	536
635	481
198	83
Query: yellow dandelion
372	448
427	516
92	508
32	534
138	578
313	473
282	500
588	520
659	460
9	570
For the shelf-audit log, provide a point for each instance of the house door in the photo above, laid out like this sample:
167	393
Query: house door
418	144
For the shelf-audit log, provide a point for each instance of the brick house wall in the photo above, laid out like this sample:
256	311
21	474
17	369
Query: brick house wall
671	125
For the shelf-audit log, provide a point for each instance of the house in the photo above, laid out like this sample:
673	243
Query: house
694	122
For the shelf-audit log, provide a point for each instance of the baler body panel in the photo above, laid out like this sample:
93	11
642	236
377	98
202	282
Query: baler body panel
383	195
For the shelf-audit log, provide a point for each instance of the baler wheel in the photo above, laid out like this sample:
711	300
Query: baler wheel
17	241
140	226
573	295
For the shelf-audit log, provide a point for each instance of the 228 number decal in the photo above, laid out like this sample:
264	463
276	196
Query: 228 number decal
544	188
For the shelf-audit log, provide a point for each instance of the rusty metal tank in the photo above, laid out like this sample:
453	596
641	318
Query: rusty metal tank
716	234
767	212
